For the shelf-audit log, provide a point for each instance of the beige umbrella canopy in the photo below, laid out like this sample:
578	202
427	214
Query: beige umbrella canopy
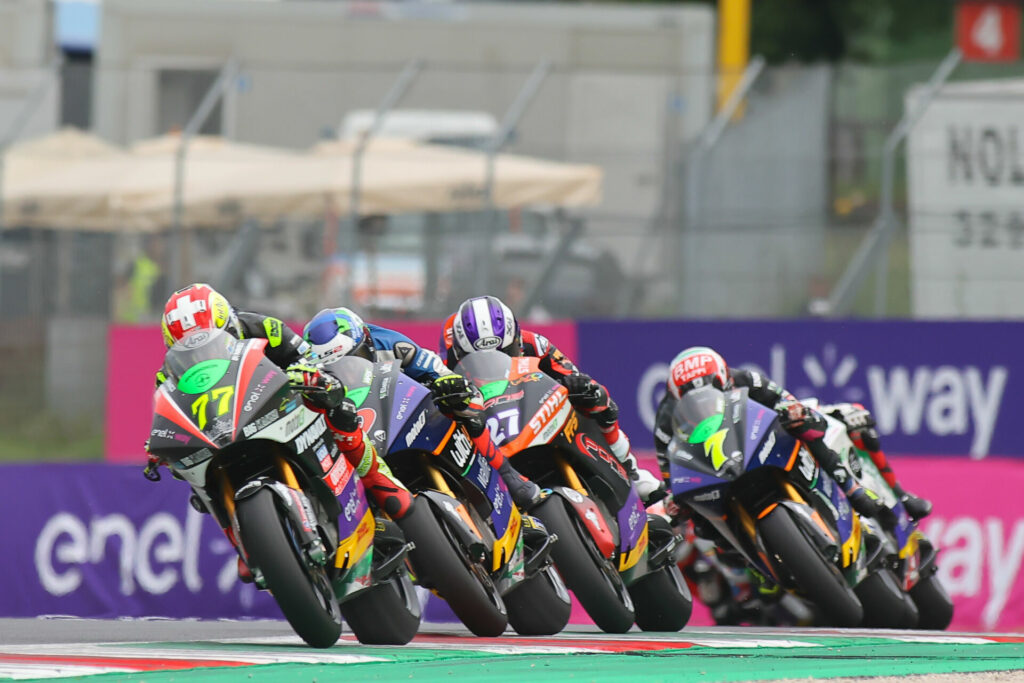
113	189
57	181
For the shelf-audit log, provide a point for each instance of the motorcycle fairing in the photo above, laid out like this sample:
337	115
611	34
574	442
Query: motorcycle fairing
632	519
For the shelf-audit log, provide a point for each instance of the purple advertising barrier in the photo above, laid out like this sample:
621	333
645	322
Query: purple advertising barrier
934	387
101	541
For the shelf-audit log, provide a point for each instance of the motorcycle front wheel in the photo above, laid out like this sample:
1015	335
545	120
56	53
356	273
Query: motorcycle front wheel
304	595
815	576
662	599
933	603
539	606
439	564
385	614
591	576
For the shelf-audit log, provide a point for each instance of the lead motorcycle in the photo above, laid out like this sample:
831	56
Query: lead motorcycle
761	492
618	560
228	423
912	556
491	563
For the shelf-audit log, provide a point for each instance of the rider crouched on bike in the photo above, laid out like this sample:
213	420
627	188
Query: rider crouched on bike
336	332
701	366
485	322
200	307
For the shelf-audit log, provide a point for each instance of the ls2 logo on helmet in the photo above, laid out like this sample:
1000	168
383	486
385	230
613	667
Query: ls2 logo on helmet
486	343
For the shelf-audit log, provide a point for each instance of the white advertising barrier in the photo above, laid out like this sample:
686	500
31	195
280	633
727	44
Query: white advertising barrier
965	179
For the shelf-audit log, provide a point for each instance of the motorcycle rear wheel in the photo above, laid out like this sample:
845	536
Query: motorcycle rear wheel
933	603
304	595
385	614
662	599
537	606
441	565
816	577
591	576
885	603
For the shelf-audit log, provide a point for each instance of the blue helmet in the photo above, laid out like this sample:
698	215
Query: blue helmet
336	332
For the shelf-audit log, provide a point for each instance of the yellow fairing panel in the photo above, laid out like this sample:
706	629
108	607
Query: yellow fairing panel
351	549
629	560
506	545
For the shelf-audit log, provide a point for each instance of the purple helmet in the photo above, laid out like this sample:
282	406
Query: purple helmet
484	323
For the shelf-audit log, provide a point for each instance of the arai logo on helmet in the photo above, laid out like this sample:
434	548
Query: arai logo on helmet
486	343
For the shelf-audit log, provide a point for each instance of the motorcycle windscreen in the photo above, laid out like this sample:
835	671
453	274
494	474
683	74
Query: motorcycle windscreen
216	386
708	432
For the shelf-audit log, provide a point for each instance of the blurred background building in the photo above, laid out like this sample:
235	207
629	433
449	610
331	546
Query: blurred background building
683	204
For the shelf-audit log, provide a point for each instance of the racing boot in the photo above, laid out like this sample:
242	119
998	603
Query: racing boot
917	508
650	488
387	492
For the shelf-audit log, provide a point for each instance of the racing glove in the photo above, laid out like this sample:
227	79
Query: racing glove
319	388
584	392
453	395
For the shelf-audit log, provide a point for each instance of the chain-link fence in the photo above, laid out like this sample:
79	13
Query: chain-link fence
761	224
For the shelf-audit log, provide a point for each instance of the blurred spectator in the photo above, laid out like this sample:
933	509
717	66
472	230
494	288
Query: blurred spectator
142	286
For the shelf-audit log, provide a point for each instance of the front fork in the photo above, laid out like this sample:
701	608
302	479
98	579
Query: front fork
295	504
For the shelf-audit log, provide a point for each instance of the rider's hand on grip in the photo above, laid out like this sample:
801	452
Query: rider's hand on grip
584	392
320	388
344	417
452	394
793	414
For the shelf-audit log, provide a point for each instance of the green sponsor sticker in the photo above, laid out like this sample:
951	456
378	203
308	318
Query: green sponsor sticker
492	389
203	375
707	427
358	395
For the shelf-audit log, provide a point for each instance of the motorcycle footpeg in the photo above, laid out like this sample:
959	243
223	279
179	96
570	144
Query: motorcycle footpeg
392	562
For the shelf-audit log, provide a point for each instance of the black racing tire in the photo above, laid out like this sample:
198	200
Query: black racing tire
440	565
817	578
591	576
662	599
933	604
885	604
539	606
310	608
385	614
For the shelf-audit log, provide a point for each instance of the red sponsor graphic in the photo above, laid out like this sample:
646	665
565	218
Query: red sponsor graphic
988	31
339	475
596	451
689	369
368	417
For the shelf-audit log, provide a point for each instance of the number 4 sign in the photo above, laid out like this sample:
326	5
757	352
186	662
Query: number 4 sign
988	31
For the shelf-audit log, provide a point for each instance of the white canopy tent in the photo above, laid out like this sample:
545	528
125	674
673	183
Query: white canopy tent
72	180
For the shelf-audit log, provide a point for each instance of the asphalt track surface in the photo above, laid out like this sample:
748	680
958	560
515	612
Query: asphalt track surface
162	651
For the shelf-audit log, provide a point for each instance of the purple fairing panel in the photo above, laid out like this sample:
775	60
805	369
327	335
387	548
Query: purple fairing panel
353	502
632	519
759	420
406	399
486	478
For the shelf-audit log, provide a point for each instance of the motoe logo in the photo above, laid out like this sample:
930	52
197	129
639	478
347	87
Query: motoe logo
937	400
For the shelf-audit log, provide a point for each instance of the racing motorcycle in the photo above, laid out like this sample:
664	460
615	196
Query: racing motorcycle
912	556
491	563
618	560
759	491
228	423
